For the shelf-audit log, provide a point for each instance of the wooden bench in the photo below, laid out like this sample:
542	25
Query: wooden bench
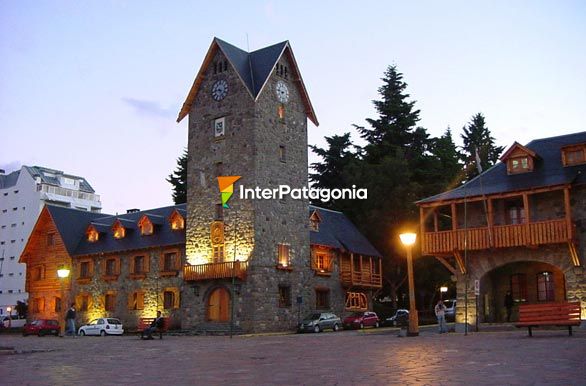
144	323
549	314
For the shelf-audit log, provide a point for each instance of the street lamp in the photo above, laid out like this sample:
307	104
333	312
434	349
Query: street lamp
443	290
408	239
63	274
9	310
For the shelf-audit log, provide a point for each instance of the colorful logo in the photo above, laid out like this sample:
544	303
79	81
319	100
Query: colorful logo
226	184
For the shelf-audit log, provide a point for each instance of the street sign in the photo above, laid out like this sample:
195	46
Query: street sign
476	287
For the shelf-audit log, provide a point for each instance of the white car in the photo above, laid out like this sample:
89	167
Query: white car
14	321
103	327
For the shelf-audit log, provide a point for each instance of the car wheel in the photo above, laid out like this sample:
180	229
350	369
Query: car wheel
41	333
336	327
317	328
82	333
56	333
361	326
376	325
103	333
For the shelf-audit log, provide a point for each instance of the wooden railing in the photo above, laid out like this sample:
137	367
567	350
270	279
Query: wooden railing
361	279
215	271
502	236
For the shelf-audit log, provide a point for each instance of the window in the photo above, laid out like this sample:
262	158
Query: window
38	305
58	305
281	70
519	287
110	301
322	298
38	273
119	231
83	302
283	260
50	239
85	270
545	287
574	155
314	221
170	298
169	261
281	112
519	164
322	262
111	267
138	265
218	253
136	300
282	153
176	220
284	296
146	226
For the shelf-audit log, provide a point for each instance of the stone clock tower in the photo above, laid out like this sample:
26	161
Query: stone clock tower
250	262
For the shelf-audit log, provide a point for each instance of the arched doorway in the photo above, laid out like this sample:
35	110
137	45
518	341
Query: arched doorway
218	305
528	281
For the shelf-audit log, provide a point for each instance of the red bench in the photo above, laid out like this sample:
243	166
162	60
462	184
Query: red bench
144	323
549	314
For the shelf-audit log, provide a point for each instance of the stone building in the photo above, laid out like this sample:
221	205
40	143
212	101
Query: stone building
248	118
520	226
125	266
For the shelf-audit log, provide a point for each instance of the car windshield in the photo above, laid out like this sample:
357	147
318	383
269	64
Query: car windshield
93	322
312	317
36	323
449	303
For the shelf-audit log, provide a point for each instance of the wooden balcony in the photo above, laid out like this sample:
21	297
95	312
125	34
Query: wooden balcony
209	271
361	272
502	236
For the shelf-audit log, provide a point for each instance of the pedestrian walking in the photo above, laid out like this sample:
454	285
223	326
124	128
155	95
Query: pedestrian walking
70	321
440	313
509	305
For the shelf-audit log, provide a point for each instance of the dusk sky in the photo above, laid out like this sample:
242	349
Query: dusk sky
93	88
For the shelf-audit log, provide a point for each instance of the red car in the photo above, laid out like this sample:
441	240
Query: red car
41	327
361	320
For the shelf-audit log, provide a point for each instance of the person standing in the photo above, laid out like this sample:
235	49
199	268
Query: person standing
440	313
509	305
70	320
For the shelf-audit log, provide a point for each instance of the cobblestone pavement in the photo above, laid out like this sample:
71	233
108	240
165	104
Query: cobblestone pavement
377	357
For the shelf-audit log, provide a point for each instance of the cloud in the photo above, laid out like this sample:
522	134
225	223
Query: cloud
11	166
149	108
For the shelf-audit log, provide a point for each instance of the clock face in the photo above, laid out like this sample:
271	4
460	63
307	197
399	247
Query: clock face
282	91
219	90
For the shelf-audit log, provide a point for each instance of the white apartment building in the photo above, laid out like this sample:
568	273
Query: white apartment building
23	193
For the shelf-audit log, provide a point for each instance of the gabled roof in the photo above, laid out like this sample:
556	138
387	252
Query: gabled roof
71	224
253	69
517	146
548	171
337	231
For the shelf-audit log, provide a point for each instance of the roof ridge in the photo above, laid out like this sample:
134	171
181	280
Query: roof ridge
329	210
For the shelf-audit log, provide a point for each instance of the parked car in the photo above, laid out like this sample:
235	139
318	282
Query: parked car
103	327
361	320
14	321
450	309
41	327
319	321
401	317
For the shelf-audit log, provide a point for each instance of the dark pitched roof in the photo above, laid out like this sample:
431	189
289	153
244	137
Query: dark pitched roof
9	180
337	231
548	171
71	224
163	235
49	176
254	68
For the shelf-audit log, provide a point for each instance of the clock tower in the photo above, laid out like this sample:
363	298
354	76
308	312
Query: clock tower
248	258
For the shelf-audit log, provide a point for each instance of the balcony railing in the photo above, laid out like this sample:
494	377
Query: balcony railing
502	236
361	279
215	271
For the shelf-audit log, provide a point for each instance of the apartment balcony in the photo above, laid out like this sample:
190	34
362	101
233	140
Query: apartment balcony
361	272
210	271
502	236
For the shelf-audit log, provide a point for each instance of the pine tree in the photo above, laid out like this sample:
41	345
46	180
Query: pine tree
477	137
448	172
178	179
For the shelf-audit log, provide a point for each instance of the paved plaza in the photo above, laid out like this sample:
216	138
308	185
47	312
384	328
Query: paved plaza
373	357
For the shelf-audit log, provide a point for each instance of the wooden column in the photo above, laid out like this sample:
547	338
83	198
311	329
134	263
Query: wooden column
454	217
527	218
490	222
568	210
435	222
422	228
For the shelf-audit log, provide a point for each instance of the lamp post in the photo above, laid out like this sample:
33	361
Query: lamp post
63	274
408	239
443	290
9	310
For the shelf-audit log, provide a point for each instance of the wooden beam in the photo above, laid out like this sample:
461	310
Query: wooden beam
568	212
446	264
454	217
460	261
422	221
574	254
527	217
435	222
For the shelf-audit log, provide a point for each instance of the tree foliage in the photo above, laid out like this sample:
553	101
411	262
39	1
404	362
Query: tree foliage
477	137
178	179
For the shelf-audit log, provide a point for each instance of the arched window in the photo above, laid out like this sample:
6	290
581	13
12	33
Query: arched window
545	287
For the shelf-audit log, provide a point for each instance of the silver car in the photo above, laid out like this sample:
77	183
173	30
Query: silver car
319	321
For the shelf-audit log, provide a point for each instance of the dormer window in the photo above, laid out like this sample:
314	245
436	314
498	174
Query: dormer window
519	159
118	230
146	226
92	234
574	155
314	221
176	221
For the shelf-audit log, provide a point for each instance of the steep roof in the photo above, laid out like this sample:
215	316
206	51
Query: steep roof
337	231
71	224
253	68
9	180
548	171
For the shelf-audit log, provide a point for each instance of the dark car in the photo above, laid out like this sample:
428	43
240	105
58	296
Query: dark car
361	320
41	327
401	317
319	321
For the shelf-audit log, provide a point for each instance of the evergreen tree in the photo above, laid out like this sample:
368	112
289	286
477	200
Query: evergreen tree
448	170
477	137
178	179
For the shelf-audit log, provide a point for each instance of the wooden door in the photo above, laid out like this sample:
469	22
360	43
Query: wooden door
218	306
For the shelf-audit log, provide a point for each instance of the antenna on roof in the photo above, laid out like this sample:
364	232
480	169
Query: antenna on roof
247	45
